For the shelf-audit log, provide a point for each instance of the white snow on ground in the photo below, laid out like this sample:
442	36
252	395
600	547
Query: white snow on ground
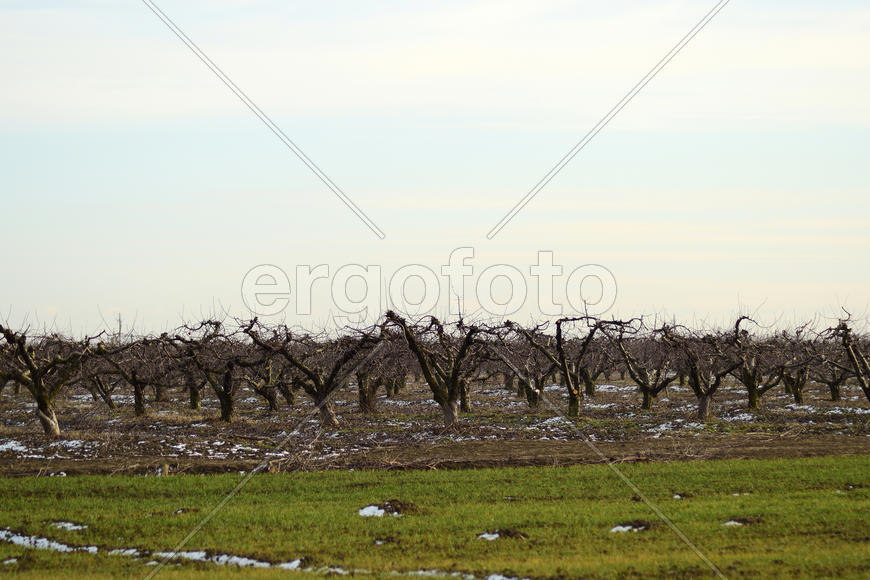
555	421
612	388
841	410
219	559
620	529
740	417
731	523
487	536
12	445
397	403
42	543
371	511
69	526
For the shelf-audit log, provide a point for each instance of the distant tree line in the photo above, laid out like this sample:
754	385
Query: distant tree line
277	362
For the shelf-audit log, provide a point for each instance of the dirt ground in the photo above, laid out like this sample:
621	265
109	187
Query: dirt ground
406	432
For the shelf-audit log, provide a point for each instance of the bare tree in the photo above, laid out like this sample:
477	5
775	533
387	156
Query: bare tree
447	355
760	367
856	355
649	360
44	366
324	364
708	362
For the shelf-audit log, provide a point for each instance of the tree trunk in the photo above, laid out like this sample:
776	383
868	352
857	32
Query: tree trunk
47	418
705	406
139	399
99	386
795	386
835	391
227	405
573	403
107	397
752	391
681	378
509	383
368	393
287	393
271	396
588	382
159	393
195	397
327	414
647	400
533	396
464	402
798	395
451	413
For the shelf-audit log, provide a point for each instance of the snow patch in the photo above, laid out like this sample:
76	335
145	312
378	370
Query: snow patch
12	445
629	527
69	526
371	511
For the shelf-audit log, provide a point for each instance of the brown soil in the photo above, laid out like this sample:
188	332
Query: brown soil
406	432
476	454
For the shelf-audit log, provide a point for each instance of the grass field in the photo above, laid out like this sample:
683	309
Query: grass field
802	518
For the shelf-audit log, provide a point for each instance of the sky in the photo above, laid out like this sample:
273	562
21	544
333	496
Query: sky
135	184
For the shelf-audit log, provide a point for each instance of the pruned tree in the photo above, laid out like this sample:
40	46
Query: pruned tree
44	365
708	361
760	368
448	356
648	359
856	355
324	364
219	358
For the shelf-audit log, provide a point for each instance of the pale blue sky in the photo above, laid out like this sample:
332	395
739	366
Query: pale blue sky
133	181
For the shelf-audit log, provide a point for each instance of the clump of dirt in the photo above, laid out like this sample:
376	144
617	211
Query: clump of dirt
746	521
511	533
398	507
632	526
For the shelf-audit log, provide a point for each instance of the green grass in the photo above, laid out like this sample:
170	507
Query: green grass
801	526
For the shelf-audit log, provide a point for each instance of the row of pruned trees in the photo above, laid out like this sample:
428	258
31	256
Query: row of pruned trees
279	362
